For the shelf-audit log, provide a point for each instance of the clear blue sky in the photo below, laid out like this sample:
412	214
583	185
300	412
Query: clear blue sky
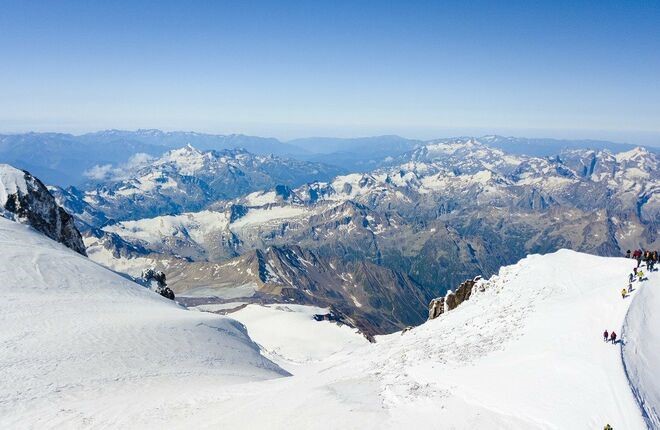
296	68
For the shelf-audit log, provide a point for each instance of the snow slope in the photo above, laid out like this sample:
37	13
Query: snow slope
525	353
291	336
82	347
641	352
74	333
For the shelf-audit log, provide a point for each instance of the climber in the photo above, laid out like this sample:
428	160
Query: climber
613	337
628	254
631	277
630	288
640	275
606	335
624	293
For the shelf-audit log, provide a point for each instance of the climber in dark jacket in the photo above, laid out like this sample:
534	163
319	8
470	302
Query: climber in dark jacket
613	337
605	335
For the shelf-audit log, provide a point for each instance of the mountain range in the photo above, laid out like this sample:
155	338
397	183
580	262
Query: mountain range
433	217
86	346
66	159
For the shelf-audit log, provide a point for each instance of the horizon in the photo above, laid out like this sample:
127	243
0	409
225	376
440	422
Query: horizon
649	141
422	70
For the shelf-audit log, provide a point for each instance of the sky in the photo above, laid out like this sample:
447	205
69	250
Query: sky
421	69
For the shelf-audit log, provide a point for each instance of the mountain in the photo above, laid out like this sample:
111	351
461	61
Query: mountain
23	198
62	159
70	160
203	141
545	147
372	298
86	347
443	213
525	352
65	159
354	154
185	179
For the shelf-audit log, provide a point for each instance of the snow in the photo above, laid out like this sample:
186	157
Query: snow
261	198
260	216
84	347
641	351
197	225
633	154
12	181
218	307
289	334
188	160
81	346
101	255
526	353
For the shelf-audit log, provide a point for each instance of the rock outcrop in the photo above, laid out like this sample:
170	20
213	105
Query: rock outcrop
452	299
23	198
156	281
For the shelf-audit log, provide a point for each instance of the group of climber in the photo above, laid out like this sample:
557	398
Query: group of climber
649	257
636	274
609	337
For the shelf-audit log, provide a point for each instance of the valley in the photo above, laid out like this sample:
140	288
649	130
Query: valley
417	227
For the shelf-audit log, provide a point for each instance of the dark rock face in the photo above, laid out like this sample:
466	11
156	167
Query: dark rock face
236	212
29	202
156	280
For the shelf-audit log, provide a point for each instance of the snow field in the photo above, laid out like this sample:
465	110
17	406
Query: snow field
84	348
74	332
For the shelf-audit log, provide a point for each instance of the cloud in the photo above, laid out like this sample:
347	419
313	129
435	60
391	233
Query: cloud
108	172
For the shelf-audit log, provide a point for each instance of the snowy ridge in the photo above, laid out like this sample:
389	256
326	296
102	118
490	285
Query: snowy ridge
12	181
641	351
525	352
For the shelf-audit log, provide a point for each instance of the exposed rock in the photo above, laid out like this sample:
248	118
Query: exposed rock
436	307
372	298
326	317
25	199
156	280
452	299
236	212
406	330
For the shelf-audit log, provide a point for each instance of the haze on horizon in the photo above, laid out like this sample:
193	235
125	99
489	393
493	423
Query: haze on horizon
419	69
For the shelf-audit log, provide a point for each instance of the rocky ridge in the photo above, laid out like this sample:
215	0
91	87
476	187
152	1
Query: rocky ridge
23	198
